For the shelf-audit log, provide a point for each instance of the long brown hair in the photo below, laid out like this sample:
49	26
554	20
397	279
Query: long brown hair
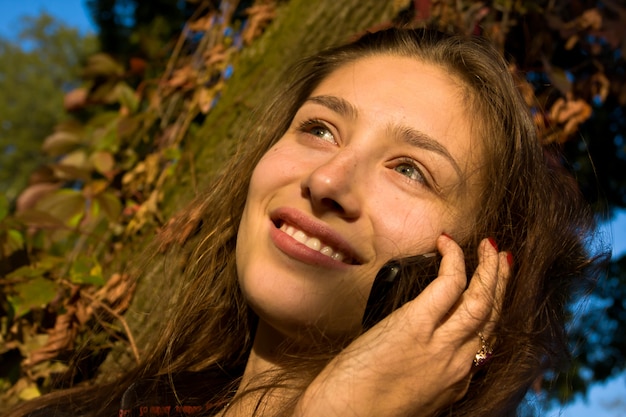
529	205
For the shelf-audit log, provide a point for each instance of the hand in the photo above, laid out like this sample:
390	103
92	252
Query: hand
419	358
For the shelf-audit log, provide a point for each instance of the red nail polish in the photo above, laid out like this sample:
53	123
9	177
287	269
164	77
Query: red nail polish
509	258
493	243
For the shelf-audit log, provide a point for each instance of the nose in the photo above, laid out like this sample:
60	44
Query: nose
332	186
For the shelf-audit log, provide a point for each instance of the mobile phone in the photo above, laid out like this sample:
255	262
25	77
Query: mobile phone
398	282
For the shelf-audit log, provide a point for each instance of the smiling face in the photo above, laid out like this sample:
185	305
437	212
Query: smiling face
376	164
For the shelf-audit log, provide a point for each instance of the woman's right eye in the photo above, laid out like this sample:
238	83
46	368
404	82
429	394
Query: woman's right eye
317	129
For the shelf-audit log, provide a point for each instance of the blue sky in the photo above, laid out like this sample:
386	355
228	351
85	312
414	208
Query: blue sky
70	11
605	400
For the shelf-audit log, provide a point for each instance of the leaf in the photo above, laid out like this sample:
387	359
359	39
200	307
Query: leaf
37	269
30	392
77	159
118	292
69	172
60	143
102	65
35	293
127	97
86	270
102	161
110	205
183	77
94	188
75	99
26	271
39	219
60	338
14	242
49	262
105	93
29	197
66	205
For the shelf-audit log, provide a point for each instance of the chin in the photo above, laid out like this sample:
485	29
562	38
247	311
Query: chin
304	322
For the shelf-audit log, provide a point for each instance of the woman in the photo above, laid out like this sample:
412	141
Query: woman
406	144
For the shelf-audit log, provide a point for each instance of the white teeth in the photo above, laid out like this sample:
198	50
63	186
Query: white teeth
337	256
300	236
312	242
327	250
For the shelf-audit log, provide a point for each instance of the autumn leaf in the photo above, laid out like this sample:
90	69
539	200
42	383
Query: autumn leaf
60	143
40	219
75	99
60	338
66	205
259	16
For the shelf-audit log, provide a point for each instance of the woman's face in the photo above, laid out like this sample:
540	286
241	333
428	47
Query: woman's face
376	164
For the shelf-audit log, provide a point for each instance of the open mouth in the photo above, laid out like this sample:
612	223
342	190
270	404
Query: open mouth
313	243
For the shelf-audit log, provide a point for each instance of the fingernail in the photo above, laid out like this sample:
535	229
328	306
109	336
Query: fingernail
509	258
493	243
447	235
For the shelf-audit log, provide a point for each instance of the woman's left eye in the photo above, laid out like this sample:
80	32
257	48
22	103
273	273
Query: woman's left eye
411	171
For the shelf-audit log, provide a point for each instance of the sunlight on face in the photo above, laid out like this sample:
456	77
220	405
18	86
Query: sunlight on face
376	164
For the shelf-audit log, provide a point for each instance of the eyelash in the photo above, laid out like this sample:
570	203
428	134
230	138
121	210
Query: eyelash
308	125
410	162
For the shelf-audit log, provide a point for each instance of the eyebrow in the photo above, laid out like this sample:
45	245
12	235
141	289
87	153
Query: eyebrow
336	104
424	141
408	135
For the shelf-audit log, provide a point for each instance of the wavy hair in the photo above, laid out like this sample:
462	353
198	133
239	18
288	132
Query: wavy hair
531	206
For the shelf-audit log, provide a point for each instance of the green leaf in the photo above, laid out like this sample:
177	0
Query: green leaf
86	270
27	271
102	65
102	161
35	293
30	392
127	97
39	219
110	205
49	262
15	241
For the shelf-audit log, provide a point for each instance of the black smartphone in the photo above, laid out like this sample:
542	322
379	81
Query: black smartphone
398	282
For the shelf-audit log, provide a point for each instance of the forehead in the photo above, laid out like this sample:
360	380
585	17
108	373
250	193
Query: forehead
402	87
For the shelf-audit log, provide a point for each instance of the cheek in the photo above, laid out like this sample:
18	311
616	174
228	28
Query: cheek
406	227
278	167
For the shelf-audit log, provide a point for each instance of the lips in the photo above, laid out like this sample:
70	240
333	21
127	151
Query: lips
317	237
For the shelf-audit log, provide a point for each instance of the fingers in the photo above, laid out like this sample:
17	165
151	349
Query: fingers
456	307
483	299
480	295
475	308
444	292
